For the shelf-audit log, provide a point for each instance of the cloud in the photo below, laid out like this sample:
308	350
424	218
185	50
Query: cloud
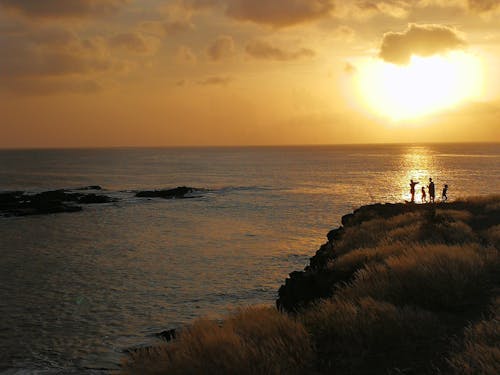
215	81
278	13
221	48
344	33
264	50
45	60
63	8
46	86
391	8
176	17
199	4
185	55
483	5
135	42
421	40
28	58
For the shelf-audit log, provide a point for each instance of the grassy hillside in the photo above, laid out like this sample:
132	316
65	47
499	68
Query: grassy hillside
398	289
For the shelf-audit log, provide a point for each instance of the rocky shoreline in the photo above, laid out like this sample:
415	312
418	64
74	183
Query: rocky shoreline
22	203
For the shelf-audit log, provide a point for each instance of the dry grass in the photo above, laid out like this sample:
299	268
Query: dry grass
250	342
435	277
369	336
492	234
376	231
480	353
416	302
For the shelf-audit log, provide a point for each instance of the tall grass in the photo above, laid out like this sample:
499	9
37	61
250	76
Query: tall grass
480	349
252	341
435	277
367	336
411	294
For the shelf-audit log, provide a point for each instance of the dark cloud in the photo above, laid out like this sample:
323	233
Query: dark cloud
215	81
47	60
38	55
221	48
63	8
278	13
421	40
263	50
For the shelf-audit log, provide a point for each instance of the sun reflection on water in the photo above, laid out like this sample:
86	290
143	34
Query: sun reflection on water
418	164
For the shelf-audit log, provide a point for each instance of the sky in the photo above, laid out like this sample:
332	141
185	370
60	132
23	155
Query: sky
130	73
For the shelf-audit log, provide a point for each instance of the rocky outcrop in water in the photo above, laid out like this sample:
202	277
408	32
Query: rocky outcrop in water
167	335
180	192
20	203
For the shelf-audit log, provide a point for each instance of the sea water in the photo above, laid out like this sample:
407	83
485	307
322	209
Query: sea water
77	289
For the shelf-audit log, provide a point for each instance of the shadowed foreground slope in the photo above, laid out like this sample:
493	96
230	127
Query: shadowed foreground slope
398	289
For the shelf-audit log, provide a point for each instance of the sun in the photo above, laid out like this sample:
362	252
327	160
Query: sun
424	86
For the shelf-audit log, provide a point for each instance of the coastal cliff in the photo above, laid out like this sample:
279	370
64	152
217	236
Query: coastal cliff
384	224
397	289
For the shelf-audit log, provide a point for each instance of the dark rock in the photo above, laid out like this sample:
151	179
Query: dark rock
168	335
335	234
346	219
305	287
19	203
91	187
55	195
177	193
9	200
94	198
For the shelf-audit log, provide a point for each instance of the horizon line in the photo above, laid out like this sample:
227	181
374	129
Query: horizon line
47	148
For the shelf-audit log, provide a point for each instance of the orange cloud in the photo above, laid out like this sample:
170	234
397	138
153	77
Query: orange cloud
483	5
62	8
135	42
278	13
185	55
264	50
392	8
421	40
45	86
44	60
215	81
221	48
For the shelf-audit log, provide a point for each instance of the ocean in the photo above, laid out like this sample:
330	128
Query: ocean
77	289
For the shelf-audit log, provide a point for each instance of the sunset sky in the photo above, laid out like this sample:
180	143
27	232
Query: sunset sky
99	73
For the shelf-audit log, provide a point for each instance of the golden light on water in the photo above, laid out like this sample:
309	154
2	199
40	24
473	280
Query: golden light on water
424	86
418	165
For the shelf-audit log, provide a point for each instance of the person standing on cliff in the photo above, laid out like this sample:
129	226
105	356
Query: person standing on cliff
444	197
432	191
412	190
424	196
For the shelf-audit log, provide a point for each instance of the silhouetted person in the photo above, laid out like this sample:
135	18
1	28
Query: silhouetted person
432	191
444	197
412	190
424	196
